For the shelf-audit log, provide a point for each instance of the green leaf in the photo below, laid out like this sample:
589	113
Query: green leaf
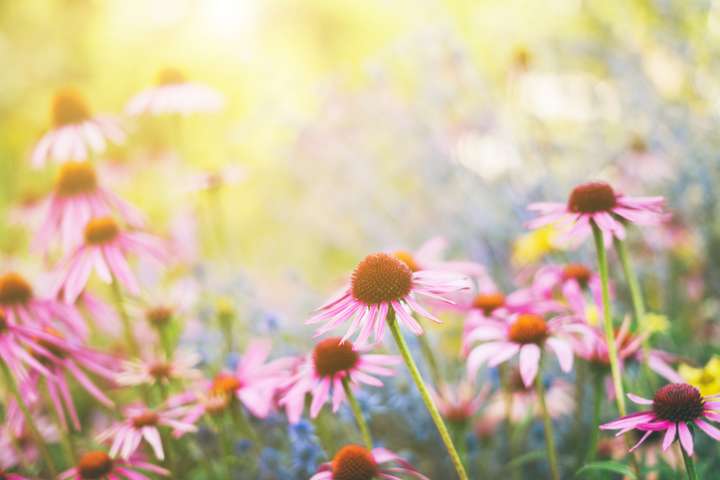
526	458
607	466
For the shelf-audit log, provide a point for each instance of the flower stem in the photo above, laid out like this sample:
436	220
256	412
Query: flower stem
547	421
34	432
598	394
364	431
427	352
689	465
608	322
120	305
425	394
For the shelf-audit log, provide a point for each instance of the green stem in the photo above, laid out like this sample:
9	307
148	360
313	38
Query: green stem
39	441
608	322
324	434
689	465
127	327
425	394
547	421
598	394
364	431
65	435
427	352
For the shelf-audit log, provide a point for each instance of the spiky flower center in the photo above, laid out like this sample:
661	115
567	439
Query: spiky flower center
101	230
216	403
528	328
160	370
170	76
76	178
381	278
354	462
159	316
592	197
331	357
577	272
147	418
678	402
224	383
488	302
456	414
69	107
408	259
14	289
95	465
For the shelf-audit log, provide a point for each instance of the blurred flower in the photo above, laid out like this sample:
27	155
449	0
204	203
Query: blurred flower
707	378
140	423
459	403
596	203
571	281
656	323
531	247
379	283
524	403
77	199
160	370
356	462
98	464
76	132
525	334
673	407
174	94
322	373
104	249
213	180
429	257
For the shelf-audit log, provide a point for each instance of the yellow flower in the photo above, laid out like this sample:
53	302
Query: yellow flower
592	315
656	323
534	245
706	379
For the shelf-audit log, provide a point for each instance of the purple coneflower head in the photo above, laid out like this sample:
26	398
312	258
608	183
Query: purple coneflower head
75	131
160	370
353	462
104	249
76	199
381	283
98	465
323	371
597	203
174	94
526	334
674	407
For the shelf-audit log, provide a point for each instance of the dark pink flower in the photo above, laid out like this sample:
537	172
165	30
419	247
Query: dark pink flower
358	463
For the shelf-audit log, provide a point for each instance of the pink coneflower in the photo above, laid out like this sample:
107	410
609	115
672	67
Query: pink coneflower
180	367
354	462
460	403
21	306
324	370
572	281
98	465
597	203
141	423
19	345
673	407
76	199
430	257
104	249
6	475
379	283
173	93
76	132
526	334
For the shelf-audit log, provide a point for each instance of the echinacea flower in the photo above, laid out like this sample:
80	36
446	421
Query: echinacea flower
98	465
571	281
76	132
597	203
174	94
104	249
353	462
380	283
429	257
526	334
674	407
18	343
180	367
77	198
324	370
458	404
22	306
141	423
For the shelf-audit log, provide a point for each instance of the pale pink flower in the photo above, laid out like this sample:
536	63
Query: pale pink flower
99	312
99	465
524	403
76	132
459	403
525	334
354	461
160	370
213	180
17	444
674	406
321	375
77	198
141	423
104	250
571	281
380	283
429	256
597	203
174	94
